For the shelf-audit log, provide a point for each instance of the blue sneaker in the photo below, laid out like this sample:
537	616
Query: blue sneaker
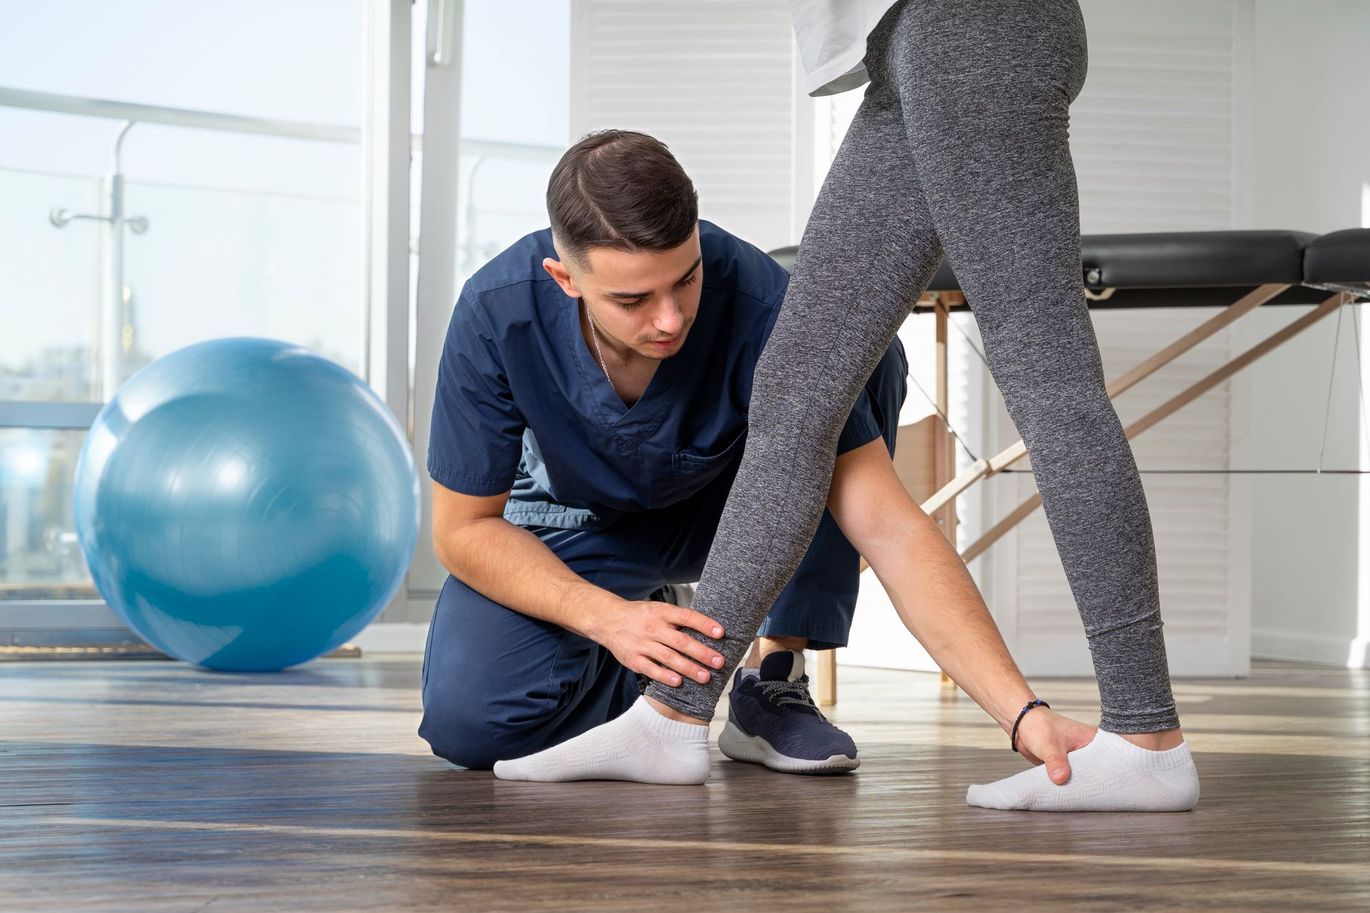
772	720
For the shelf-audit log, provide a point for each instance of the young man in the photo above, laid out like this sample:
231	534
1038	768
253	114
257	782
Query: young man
591	411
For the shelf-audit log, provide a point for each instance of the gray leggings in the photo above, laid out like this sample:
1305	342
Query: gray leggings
960	146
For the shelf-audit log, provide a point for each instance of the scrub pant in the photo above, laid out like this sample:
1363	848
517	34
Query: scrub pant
498	684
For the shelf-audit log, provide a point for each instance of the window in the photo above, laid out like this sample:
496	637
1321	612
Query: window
174	173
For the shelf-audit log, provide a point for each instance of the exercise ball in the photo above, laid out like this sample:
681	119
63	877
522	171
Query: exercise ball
246	505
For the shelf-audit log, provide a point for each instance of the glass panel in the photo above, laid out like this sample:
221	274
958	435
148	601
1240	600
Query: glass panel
55	143
39	554
504	198
246	234
510	138
232	263
256	236
515	78
49	286
288	59
514	125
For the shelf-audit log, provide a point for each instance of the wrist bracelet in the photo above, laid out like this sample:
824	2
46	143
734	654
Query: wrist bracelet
1013	736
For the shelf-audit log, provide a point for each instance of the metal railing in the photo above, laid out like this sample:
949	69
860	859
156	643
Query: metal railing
114	219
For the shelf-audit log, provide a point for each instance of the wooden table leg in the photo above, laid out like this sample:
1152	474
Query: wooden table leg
944	453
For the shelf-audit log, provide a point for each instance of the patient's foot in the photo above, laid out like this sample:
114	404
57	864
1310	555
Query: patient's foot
1110	774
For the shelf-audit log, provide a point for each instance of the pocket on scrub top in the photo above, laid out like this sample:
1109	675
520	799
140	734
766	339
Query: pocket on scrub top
693	471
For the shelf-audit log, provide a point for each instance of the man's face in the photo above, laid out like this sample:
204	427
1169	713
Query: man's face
645	301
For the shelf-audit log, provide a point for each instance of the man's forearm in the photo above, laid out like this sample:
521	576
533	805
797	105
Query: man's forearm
513	567
938	601
926	580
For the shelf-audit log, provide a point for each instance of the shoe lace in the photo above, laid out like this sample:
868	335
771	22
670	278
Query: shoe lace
785	693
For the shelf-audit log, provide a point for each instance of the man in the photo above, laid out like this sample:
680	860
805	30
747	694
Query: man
591	411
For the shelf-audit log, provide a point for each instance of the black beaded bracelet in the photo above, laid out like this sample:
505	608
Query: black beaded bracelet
1013	736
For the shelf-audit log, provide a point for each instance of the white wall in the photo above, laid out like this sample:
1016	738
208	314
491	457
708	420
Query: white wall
713	79
1310	165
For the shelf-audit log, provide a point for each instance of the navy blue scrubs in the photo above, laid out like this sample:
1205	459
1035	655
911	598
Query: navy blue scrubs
628	497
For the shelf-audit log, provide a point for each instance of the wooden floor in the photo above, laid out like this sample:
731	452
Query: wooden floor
155	787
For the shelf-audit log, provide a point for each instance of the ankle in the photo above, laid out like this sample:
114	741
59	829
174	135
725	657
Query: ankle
673	714
765	646
1155	741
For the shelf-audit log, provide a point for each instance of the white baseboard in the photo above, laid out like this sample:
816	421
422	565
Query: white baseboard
1300	646
1196	657
394	637
1060	657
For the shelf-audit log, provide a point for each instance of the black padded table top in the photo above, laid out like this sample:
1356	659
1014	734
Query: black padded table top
1193	259
1203	268
1340	257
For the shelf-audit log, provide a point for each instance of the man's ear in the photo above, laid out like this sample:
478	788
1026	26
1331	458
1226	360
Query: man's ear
557	270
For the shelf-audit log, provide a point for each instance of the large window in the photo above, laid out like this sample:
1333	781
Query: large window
175	172
171	173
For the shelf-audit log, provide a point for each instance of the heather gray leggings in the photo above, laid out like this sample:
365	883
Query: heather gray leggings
961	146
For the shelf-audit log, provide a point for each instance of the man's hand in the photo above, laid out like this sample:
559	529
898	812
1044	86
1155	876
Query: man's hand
1049	737
649	638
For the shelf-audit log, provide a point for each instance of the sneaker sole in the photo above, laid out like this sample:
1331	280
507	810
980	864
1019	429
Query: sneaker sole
739	746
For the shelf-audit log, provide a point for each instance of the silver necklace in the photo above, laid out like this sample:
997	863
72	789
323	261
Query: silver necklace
598	351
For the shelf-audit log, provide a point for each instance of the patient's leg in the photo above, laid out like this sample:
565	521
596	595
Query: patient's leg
991	139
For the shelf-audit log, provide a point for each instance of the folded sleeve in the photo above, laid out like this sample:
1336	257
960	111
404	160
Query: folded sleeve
477	430
861	427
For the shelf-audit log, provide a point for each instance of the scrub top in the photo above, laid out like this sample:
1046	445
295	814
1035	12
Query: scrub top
522	406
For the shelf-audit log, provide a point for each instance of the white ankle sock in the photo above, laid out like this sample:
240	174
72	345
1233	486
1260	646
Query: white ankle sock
640	745
1110	774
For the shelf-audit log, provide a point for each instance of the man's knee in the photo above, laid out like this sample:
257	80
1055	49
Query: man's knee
470	733
457	738
470	689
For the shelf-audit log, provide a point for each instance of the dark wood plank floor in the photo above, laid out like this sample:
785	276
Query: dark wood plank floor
155	787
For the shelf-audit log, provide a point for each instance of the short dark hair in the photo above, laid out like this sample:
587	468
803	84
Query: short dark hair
620	189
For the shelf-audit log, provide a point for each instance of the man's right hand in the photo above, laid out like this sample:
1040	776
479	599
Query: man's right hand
649	638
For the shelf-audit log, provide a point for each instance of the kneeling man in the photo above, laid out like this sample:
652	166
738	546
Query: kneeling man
590	413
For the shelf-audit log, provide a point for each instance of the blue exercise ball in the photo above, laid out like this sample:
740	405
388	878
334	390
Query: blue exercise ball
246	505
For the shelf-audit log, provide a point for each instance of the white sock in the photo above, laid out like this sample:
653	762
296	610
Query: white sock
641	745
1110	774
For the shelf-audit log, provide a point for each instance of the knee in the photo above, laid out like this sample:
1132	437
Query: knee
474	716
463	717
475	709
457	731
471	733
